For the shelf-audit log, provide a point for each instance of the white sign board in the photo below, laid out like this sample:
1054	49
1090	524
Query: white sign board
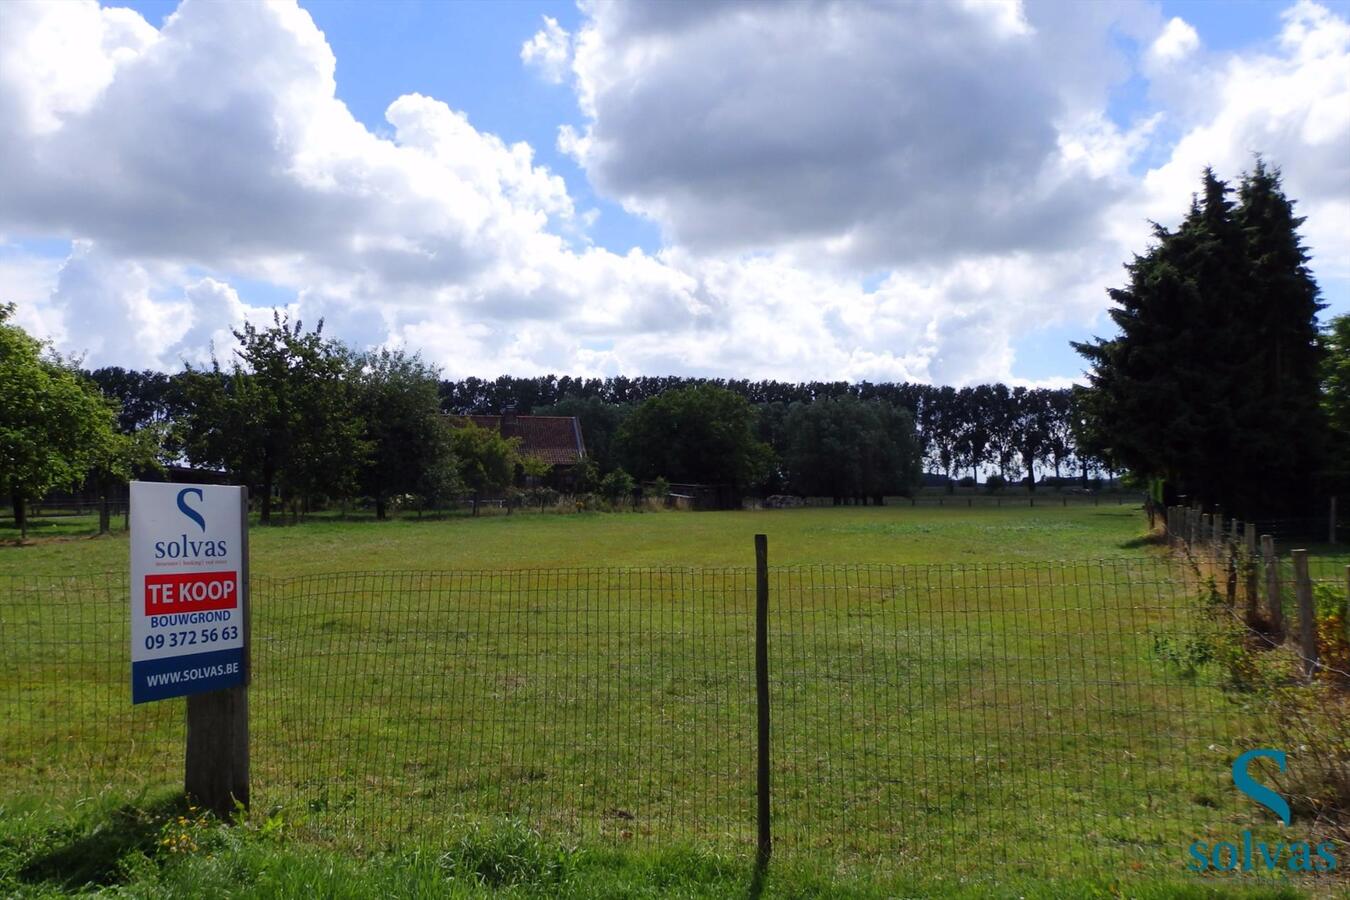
187	578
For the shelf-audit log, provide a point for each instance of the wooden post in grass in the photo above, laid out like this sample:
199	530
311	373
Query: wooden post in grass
1253	584
762	695
216	761
1274	605
1307	624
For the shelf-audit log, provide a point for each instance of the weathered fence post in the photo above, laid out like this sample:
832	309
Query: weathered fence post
1253	584
1274	604
1233	553
762	694
215	771
1307	624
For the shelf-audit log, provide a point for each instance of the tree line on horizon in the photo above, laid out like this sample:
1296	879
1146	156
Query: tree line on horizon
806	429
306	421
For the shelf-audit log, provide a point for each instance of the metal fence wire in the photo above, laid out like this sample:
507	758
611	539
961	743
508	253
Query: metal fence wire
933	716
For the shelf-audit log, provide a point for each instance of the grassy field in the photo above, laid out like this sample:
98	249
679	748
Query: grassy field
889	534
953	714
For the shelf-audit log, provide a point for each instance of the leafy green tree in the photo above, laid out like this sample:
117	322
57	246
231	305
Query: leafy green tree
535	468
487	461
119	457
283	418
1031	423
439	480
1336	395
53	423
977	406
850	449
1059	430
397	401
617	487
658	490
1211	384
585	476
143	397
702	434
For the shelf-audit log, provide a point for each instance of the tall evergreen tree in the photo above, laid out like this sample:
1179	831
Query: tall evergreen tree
1188	391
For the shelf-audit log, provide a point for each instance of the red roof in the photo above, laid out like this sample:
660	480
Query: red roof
554	439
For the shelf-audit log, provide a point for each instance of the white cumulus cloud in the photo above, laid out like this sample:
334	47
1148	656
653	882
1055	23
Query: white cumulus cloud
845	190
550	51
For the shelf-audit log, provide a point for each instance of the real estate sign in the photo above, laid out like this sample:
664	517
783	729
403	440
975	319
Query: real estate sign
188	580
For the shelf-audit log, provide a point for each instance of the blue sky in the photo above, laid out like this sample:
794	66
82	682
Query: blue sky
727	204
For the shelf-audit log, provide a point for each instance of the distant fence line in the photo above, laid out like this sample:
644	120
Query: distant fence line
932	716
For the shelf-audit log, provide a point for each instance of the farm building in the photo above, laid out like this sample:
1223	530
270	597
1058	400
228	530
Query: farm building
555	439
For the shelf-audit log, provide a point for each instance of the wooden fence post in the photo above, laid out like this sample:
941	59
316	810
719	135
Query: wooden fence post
1274	604
215	771
1233	554
1307	624
1253	589
762	696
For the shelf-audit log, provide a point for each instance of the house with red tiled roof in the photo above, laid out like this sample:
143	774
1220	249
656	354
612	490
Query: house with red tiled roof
556	440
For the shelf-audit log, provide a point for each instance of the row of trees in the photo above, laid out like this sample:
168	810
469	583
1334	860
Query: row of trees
1016	431
1219	384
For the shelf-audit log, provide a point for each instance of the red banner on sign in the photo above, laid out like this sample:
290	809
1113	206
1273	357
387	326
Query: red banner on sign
190	592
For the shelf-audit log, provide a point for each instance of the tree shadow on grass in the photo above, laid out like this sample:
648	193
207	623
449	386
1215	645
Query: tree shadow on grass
92	851
1156	539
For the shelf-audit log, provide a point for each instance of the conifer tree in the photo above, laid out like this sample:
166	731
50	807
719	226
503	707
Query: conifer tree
1216	360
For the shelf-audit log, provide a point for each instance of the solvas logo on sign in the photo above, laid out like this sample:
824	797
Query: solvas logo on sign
1245	853
183	547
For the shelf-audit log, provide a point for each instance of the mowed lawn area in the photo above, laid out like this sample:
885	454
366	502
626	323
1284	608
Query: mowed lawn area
895	534
955	712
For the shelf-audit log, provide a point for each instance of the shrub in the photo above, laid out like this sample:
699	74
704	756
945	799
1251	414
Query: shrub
995	483
617	486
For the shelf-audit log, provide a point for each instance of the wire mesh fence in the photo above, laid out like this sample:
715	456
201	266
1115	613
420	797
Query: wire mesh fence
933	716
